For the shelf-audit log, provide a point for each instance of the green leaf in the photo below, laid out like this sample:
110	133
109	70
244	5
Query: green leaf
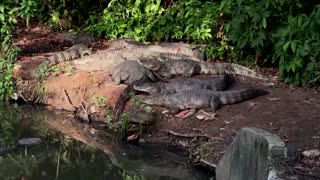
264	22
300	19
2	17
286	45
293	46
1	8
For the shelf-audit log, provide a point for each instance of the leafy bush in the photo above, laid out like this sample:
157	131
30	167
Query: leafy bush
9	11
279	32
7	51
149	20
298	49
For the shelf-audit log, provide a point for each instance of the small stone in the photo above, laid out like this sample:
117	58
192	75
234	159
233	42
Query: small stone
273	99
142	141
252	104
29	141
200	117
182	114
311	153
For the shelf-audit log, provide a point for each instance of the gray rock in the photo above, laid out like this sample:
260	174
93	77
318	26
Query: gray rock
29	141
251	156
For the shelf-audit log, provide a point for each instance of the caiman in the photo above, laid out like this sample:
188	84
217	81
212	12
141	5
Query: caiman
106	60
130	71
216	84
201	98
188	68
74	52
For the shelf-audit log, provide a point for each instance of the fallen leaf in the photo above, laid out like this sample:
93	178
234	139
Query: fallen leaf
132	137
181	114
273	99
49	107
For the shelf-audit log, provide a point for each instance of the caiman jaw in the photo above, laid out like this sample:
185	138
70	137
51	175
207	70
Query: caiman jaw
144	88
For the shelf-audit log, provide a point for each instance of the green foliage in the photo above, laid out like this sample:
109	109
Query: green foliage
7	51
8	121
279	32
148	20
124	123
100	101
9	11
130	176
298	49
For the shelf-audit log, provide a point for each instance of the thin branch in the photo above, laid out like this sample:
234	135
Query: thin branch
192	135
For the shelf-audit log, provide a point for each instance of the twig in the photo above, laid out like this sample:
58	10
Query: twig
67	97
85	109
58	164
195	129
24	99
208	163
192	135
37	100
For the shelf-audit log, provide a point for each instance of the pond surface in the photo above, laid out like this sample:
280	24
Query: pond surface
60	157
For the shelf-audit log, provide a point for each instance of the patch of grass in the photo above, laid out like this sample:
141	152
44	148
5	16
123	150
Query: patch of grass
124	119
100	101
32	93
45	70
202	149
139	102
124	122
135	100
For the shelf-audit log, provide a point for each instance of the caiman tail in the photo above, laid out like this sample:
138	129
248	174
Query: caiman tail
237	96
63	56
74	52
229	68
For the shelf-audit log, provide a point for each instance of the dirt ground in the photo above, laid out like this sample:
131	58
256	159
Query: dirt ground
290	112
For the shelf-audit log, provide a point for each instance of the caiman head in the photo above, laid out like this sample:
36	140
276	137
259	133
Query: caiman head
83	49
150	88
150	63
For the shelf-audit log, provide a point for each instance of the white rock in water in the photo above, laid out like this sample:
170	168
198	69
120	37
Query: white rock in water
29	141
142	141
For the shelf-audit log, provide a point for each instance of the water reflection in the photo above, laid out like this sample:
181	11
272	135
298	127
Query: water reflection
93	155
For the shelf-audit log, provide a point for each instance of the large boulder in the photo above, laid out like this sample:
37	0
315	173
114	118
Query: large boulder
251	156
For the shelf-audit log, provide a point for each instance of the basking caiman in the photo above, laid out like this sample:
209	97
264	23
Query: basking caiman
74	52
130	71
217	84
201	98
188	68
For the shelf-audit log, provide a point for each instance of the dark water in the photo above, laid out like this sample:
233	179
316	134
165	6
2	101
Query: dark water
61	157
